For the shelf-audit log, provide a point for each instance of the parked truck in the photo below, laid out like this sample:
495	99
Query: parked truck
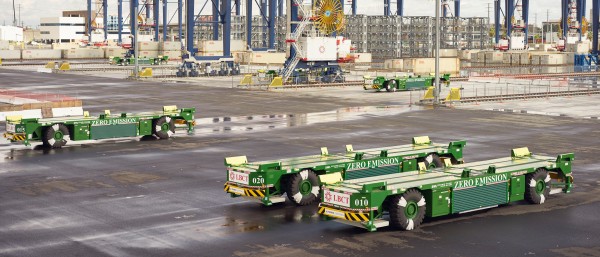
402	83
403	200
300	178
55	132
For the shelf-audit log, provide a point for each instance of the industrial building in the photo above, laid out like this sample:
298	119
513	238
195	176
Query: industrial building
302	128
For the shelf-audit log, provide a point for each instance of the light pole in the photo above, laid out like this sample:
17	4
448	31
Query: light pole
437	89
135	42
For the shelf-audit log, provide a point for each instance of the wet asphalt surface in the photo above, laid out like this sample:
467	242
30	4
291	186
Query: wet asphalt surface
132	197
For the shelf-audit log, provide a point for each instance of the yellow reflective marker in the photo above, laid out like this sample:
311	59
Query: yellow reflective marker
454	94
277	82
429	94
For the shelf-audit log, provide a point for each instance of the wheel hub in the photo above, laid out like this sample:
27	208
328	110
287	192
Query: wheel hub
164	127
305	187
58	135
411	210
540	186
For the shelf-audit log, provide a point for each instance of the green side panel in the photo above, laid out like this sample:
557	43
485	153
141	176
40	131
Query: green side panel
517	188
409	165
438	203
145	127
81	131
112	131
371	172
479	197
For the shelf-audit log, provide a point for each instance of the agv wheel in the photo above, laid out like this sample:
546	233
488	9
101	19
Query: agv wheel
303	187
163	127
391	85
432	161
537	188
55	136
407	210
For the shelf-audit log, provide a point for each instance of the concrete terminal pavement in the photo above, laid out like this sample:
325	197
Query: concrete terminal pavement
165	198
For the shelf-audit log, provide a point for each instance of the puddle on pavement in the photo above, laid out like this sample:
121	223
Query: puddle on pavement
255	123
233	124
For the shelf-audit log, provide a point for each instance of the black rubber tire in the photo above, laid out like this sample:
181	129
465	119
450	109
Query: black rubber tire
537	187
432	161
294	184
407	210
158	124
50	133
391	85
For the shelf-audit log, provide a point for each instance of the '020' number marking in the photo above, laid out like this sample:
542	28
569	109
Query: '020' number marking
258	180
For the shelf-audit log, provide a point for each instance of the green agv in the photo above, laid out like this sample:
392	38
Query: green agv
402	83
300	178
404	199
55	132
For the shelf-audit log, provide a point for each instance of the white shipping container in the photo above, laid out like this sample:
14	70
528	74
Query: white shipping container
394	64
494	57
238	45
525	58
570	58
148	54
467	54
267	58
581	47
171	46
474	57
148	46
362	57
173	55
515	58
10	54
83	53
426	66
4	45
553	59
318	48
448	53
507	58
210	53
65	46
114	52
210	46
41	54
10	33
481	57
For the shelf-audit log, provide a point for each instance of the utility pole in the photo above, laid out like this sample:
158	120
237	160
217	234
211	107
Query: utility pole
20	21
489	7
14	14
437	89
534	30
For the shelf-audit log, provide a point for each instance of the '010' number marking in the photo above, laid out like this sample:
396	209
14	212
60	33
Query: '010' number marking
361	202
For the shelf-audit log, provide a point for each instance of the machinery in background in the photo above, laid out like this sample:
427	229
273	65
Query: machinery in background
574	31
192	67
315	50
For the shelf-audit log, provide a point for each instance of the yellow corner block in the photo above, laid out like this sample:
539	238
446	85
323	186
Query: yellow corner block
454	94
277	82
429	94
520	152
324	151
236	161
170	108
423	140
14	118
65	66
246	81
50	65
331	178
146	73
349	148
422	166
